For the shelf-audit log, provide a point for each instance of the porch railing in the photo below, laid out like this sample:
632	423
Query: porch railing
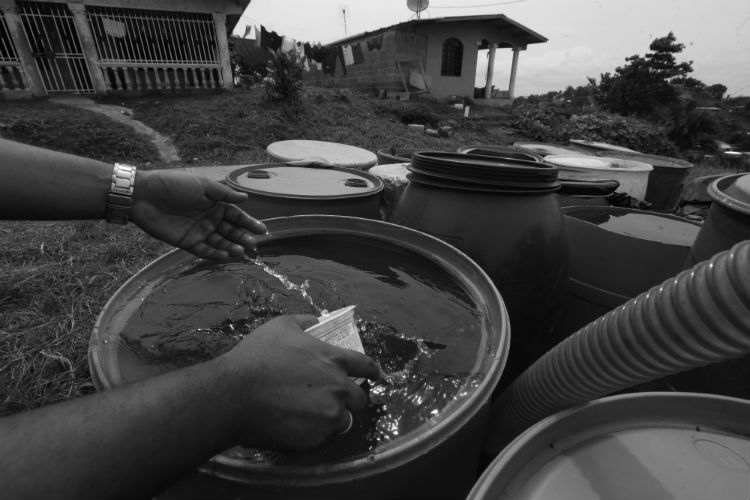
135	76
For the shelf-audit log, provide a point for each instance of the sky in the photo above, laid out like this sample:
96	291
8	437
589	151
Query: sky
585	37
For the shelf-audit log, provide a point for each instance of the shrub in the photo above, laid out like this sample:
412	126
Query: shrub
284	79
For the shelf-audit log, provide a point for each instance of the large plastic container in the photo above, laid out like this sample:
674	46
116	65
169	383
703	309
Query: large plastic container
665	181
279	190
617	253
397	155
545	149
632	175
439	458
508	152
503	213
593	147
581	192
728	220
635	446
336	154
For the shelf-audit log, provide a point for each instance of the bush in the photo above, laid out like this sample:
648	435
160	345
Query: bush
284	79
560	123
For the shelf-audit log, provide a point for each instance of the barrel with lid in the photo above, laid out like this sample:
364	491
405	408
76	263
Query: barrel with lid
508	152
664	182
648	445
593	147
277	190
332	153
632	175
545	149
426	312
578	192
397	155
504	215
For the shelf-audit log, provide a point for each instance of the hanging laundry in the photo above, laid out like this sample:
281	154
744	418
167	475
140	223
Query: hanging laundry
249	32
319	66
300	49
348	55
114	28
359	57
375	43
287	44
307	65
329	60
269	39
340	56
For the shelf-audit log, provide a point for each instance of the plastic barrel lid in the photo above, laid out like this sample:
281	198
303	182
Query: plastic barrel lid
655	160
600	145
304	182
340	155
583	162
646	446
544	149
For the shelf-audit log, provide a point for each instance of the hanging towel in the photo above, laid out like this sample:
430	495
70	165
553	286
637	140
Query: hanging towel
113	28
287	44
269	39
359	57
348	55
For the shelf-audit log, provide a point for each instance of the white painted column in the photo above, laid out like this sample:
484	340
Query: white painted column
89	46
32	79
513	68
490	71
220	23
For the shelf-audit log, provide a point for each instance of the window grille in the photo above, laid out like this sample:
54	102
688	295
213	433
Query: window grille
453	55
153	37
53	39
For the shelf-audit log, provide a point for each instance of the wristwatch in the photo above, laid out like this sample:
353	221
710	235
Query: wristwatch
120	194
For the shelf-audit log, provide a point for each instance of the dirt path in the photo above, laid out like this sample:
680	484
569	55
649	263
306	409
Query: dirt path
167	150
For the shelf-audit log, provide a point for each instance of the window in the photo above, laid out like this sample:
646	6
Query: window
453	56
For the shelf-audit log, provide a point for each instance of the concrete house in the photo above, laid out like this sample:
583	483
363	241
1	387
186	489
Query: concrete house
437	55
99	46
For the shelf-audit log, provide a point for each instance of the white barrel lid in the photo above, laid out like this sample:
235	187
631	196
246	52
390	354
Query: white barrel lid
641	445
585	162
545	149
600	145
340	155
304	182
398	171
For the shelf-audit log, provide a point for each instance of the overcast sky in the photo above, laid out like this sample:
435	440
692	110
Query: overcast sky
586	37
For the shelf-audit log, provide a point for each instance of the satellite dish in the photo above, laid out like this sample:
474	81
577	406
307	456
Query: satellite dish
417	5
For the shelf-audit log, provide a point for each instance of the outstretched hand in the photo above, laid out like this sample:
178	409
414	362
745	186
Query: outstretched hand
195	214
293	391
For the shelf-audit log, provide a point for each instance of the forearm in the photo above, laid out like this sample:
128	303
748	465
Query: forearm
131	441
40	184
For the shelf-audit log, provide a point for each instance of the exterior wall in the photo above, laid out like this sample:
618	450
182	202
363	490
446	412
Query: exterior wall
469	34
379	70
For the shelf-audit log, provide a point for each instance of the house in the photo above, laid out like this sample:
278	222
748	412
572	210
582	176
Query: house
100	46
437	55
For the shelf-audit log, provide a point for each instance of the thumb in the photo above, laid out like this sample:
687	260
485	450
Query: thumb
217	191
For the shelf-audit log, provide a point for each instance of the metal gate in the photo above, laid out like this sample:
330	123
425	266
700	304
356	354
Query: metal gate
53	38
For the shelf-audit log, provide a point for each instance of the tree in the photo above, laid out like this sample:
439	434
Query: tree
645	84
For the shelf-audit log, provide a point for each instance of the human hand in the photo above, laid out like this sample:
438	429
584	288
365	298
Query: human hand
194	213
293	391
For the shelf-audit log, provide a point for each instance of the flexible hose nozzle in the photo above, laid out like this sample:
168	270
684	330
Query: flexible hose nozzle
699	317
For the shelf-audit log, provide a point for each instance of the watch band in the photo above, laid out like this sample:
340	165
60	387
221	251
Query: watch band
120	194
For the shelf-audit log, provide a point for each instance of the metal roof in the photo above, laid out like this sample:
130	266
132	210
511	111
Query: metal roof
504	23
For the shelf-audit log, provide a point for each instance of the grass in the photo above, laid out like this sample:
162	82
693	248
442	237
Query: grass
56	276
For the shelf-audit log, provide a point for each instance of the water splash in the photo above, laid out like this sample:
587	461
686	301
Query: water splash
289	284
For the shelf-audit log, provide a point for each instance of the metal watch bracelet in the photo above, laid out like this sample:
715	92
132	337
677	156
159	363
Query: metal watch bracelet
120	194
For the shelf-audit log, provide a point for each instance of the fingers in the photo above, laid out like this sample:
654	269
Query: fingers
356	364
238	217
217	191
207	252
354	397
